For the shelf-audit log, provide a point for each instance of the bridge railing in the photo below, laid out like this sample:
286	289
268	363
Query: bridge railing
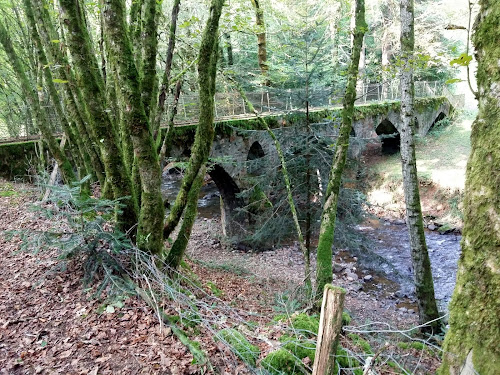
271	100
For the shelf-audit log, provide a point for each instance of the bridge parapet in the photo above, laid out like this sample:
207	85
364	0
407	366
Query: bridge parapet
230	105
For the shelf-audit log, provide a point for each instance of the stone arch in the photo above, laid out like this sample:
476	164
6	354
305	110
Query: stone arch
389	137
255	153
441	116
229	192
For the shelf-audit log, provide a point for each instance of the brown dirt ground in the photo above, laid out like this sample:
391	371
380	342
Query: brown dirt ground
49	325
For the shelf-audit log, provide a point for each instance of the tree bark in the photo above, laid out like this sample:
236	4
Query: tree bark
176	253
207	69
34	103
92	85
422	273
330	326
149	81
471	344
168	69
149	231
261	42
324	270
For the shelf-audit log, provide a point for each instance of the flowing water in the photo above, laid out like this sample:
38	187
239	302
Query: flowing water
208	202
390	242
386	249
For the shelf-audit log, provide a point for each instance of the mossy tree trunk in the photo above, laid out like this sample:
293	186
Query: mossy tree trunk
149	81
261	42
422	273
72	93
149	232
324	270
176	253
93	90
472	342
68	127
168	69
207	69
31	95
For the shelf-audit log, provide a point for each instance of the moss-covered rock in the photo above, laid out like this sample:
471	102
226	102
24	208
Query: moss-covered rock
239	345
300	347
281	362
306	324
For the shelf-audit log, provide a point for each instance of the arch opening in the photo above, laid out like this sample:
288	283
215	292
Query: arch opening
438	122
255	153
389	137
228	189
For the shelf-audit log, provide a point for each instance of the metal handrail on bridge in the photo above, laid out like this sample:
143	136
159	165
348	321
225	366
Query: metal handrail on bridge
269	100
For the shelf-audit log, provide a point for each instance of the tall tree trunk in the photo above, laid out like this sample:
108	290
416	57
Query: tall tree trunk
168	69
31	95
424	285
261	42
176	253
324	256
471	344
149	80
229	49
92	85
68	127
74	100
149	231
207	69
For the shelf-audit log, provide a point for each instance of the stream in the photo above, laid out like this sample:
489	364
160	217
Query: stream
390	243
386	247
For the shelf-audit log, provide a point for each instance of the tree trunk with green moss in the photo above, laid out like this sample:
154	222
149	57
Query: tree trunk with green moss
261	41
149	231
68	127
207	69
92	85
176	253
168	69
149	81
472	342
73	96
31	95
422	273
324	270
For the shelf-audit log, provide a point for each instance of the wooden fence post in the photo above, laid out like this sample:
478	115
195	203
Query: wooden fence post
329	330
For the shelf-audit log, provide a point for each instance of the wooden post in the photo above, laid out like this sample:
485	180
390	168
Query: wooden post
329	330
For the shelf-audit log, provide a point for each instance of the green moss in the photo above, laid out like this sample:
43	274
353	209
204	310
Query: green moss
346	319
239	345
361	343
308	325
413	344
301	348
213	288
345	360
280	362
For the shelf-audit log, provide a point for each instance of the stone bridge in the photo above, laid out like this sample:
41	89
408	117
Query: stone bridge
376	129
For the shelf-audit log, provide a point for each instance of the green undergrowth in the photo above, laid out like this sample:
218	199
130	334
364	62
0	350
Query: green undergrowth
239	345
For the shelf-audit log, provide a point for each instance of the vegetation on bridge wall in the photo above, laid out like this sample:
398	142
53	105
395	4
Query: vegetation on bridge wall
16	158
